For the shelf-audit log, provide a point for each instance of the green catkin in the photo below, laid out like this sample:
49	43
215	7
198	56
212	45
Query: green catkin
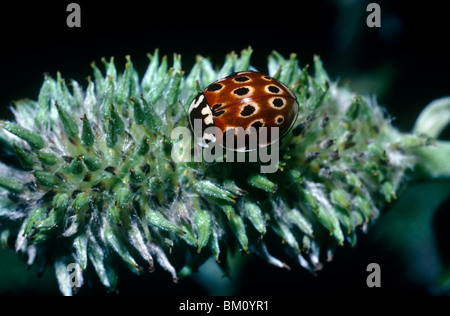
96	169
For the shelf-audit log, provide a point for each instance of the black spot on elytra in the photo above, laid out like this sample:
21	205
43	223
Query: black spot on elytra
273	89
267	78
278	102
241	79
257	125
241	91
216	111
280	120
216	106
214	87
248	110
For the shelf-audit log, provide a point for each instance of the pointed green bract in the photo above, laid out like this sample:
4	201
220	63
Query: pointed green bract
202	222
80	244
139	115
69	124
11	185
261	182
210	189
87	135
46	178
47	158
26	159
34	140
254	214
152	120
237	225
157	219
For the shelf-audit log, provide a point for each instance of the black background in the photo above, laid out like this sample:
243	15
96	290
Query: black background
405	63
409	52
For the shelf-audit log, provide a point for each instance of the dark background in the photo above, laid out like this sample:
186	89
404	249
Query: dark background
405	63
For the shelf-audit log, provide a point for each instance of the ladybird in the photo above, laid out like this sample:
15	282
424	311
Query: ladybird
243	103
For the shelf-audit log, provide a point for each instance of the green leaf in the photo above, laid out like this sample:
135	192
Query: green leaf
125	83
243	62
202	223
144	146
37	215
189	235
328	218
81	201
69	124
139	115
50	222
152	120
296	218
92	162
173	87
254	214
26	159
87	135
45	178
118	123
338	197
261	182
238	227
387	189
286	235
136	175
156	219
434	118
110	68
63	277
433	161
119	247
319	71
123	196
228	210
76	166
228	65
61	201
113	213
34	140
148	78
80	244
47	158
359	109
208	188
107	274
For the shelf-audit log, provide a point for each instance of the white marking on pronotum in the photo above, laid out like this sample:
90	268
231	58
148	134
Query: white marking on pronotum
210	137
208	119
195	104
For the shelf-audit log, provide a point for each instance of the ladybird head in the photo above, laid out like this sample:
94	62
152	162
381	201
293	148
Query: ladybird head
201	120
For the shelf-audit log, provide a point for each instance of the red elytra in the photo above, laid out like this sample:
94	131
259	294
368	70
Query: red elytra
243	104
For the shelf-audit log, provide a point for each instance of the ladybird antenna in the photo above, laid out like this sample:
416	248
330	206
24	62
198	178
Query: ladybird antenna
183	106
